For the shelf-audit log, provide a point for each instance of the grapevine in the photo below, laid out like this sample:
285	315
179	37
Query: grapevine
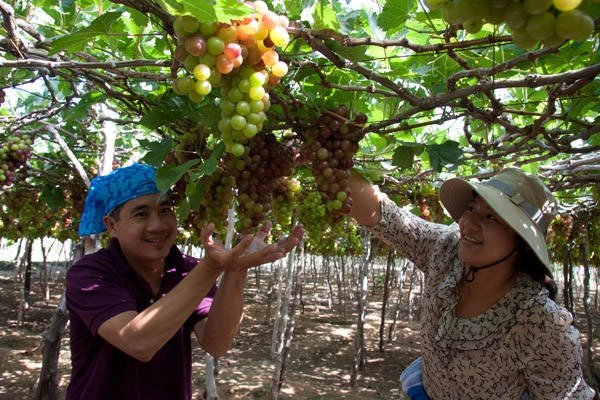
550	22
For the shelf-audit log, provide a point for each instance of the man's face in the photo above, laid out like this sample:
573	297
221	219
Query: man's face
146	228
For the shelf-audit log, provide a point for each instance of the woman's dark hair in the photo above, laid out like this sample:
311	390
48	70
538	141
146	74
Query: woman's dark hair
528	262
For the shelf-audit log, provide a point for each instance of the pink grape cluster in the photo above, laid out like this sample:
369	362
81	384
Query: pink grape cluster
14	154
550	22
241	58
330	146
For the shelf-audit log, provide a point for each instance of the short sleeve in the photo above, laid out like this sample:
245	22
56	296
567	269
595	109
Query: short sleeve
96	294
554	368
203	308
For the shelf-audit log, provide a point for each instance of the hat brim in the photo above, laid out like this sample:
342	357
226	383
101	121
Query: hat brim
457	193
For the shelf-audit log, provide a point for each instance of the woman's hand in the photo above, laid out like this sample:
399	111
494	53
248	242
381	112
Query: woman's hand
250	252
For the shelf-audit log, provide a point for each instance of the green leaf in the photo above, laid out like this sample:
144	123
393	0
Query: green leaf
183	211
157	117
395	13
53	197
228	10
204	10
173	7
194	191
81	109
77	40
156	151
403	157
380	142
169	174
446	155
354	54
325	17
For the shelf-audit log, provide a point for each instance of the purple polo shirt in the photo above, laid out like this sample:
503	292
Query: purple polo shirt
102	285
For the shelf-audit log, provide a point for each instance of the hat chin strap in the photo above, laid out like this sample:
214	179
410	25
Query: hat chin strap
470	276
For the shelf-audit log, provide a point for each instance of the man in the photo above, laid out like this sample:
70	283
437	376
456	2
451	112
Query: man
134	304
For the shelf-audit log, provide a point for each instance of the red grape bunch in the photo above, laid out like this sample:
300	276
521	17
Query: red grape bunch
550	22
260	174
331	145
241	58
14	154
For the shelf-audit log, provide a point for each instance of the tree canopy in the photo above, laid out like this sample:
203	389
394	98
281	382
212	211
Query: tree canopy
426	89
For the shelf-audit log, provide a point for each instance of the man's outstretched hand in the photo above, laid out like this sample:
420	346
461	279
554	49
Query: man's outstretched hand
251	251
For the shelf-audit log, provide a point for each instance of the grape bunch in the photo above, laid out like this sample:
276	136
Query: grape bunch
331	145
216	198
14	154
260	173
550	22
239	57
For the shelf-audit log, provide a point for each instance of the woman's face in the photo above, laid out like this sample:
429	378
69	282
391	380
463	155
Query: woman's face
484	237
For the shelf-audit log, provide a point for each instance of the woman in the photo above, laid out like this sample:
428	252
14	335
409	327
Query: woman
489	329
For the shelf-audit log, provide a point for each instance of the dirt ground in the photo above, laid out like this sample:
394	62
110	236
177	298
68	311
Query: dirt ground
320	363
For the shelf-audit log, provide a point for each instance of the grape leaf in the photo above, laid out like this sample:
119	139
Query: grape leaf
228	10
173	7
395	13
157	117
169	174
157	151
404	154
325	17
447	154
77	40
53	197
403	157
204	10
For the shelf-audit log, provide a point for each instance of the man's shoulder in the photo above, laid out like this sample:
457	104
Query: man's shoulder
102	261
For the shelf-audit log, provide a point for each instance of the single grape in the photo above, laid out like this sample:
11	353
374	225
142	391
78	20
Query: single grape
280	36
215	45
195	45
201	72
238	122
566	5
256	92
534	7
189	24
574	25
541	26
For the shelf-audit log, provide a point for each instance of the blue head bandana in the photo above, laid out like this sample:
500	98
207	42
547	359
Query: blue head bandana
109	191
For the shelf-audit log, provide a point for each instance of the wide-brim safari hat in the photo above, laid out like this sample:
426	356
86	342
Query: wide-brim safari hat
520	199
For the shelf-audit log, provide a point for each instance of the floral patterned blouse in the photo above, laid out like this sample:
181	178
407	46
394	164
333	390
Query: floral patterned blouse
525	342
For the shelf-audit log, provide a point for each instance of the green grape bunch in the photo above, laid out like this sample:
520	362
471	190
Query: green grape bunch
241	59
549	22
14	154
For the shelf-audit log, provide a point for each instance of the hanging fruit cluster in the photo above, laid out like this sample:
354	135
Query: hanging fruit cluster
14	154
550	22
241	58
329	144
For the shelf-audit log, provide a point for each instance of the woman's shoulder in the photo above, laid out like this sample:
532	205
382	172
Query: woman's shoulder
537	309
